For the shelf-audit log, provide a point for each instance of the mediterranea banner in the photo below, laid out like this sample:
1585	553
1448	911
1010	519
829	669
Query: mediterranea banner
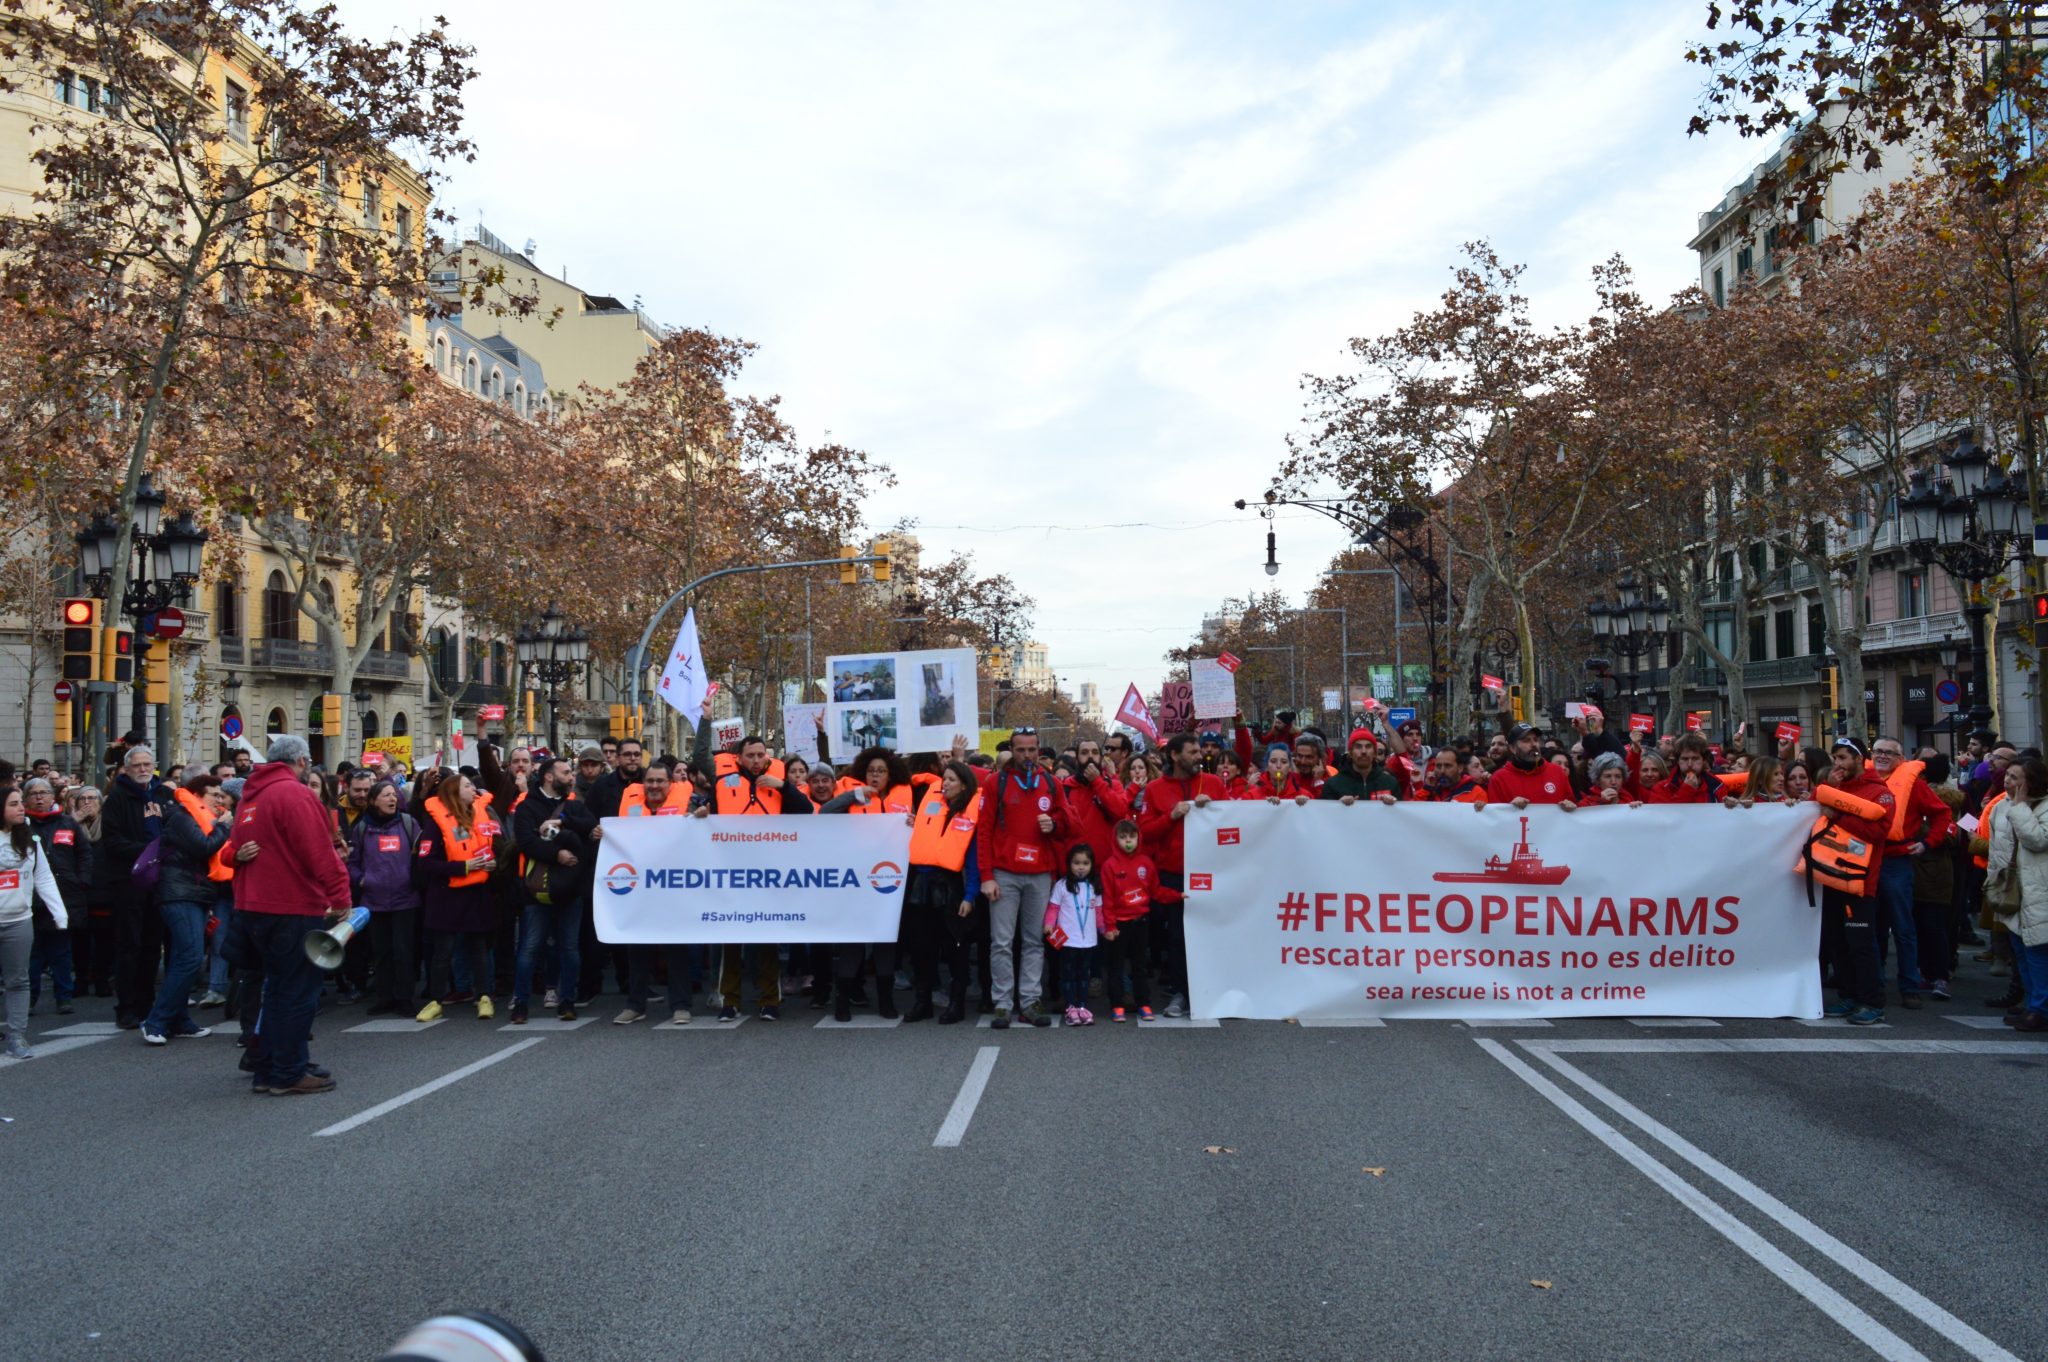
769	880
1444	910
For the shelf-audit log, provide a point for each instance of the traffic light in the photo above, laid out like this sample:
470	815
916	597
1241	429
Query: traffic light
616	728
156	672
330	716
849	571
881	550
529	711
1515	701
81	638
61	730
117	654
2040	618
1831	686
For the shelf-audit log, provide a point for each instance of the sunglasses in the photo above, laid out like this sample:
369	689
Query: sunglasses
1023	732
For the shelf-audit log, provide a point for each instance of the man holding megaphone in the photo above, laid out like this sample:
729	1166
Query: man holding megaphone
293	882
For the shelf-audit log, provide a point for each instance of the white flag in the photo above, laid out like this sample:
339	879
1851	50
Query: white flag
683	678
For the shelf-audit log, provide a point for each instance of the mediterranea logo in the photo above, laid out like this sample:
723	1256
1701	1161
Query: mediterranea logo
622	878
1200	881
886	877
1227	837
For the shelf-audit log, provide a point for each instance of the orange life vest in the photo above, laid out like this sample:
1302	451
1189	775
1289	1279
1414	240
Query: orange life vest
459	845
1984	827
733	793
633	804
938	838
900	799
220	869
1836	858
1900	783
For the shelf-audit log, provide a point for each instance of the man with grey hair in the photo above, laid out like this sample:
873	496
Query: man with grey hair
133	818
292	882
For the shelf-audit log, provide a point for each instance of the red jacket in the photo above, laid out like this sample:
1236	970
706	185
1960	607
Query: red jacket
1402	767
1163	833
1093	811
1924	810
1260	787
1674	790
296	872
1129	884
1548	783
1007	837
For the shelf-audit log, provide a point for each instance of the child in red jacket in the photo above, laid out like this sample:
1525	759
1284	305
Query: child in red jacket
1130	883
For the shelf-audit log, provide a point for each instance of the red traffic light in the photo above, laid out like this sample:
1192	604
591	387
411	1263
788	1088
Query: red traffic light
124	642
79	611
2041	607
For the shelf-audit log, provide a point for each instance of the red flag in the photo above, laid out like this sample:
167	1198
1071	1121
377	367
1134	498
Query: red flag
1132	713
1491	682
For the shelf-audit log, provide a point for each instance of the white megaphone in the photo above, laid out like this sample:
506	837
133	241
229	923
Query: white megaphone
326	946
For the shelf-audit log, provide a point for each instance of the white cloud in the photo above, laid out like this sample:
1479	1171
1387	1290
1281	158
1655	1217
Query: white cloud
1067	262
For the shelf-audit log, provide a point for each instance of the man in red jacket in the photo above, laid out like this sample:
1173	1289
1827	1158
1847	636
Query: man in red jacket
1525	778
1857	801
290	884
1023	817
1168	801
1096	803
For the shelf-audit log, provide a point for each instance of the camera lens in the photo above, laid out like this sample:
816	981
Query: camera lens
468	1336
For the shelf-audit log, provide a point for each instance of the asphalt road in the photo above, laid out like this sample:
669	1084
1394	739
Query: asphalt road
1588	1190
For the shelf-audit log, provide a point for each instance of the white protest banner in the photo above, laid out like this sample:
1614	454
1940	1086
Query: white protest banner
1435	910
1215	688
765	880
911	702
800	731
683	676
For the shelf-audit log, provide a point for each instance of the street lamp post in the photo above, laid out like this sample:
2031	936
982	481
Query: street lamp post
167	563
1970	522
552	654
1637	622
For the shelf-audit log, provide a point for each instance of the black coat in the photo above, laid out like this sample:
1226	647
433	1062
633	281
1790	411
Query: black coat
185	854
578	822
125	829
70	854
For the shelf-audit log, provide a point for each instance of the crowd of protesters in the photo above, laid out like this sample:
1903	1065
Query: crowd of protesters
187	892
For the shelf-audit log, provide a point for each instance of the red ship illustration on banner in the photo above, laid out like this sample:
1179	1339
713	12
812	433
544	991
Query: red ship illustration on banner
1524	866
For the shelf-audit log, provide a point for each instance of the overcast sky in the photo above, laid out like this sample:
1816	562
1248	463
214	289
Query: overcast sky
1063	265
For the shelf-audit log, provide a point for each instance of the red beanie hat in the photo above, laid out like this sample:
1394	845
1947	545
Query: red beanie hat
1364	733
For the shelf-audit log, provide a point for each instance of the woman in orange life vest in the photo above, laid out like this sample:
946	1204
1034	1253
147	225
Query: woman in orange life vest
461	845
193	872
877	782
938	901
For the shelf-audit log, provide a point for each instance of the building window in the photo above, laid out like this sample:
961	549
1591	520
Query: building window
62	88
519	397
275	723
470	370
1783	627
401	217
400	725
373	204
1745	263
236	106
442	658
280	611
1720	287
441	355
1912	595
1756	639
473	654
1816	628
227	612
370	723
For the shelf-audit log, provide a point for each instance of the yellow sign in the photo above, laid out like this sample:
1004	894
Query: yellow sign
394	749
990	737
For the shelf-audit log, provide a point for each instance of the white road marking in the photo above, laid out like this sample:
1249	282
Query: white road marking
45	1048
1341	1021
401	1026
1829	1301
1180	1024
860	1023
1990	1023
1672	1021
86	1029
548	1024
1840	1023
971	1087
1504	1021
426	1089
1786	1045
1900	1294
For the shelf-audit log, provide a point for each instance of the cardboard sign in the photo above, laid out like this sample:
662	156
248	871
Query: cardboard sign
1789	733
1333	699
1491	682
1176	708
373	758
1215	688
800	731
1642	723
726	732
1579	709
389	749
1696	722
486	713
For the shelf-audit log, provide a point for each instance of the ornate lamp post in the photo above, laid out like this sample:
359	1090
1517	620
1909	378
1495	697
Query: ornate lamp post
1970	522
167	565
552	655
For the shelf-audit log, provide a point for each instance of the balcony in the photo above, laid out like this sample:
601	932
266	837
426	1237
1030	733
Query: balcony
1920	631
382	665
231	652
290	655
1783	671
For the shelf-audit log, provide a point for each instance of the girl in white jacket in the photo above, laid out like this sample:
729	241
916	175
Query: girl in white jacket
25	876
1072	920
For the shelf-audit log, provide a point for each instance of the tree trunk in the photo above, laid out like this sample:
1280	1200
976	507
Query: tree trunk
1464	693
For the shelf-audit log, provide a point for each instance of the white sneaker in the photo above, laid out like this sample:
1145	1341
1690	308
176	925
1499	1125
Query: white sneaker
211	999
150	1037
17	1048
1177	1006
552	1001
628	1017
681	1017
